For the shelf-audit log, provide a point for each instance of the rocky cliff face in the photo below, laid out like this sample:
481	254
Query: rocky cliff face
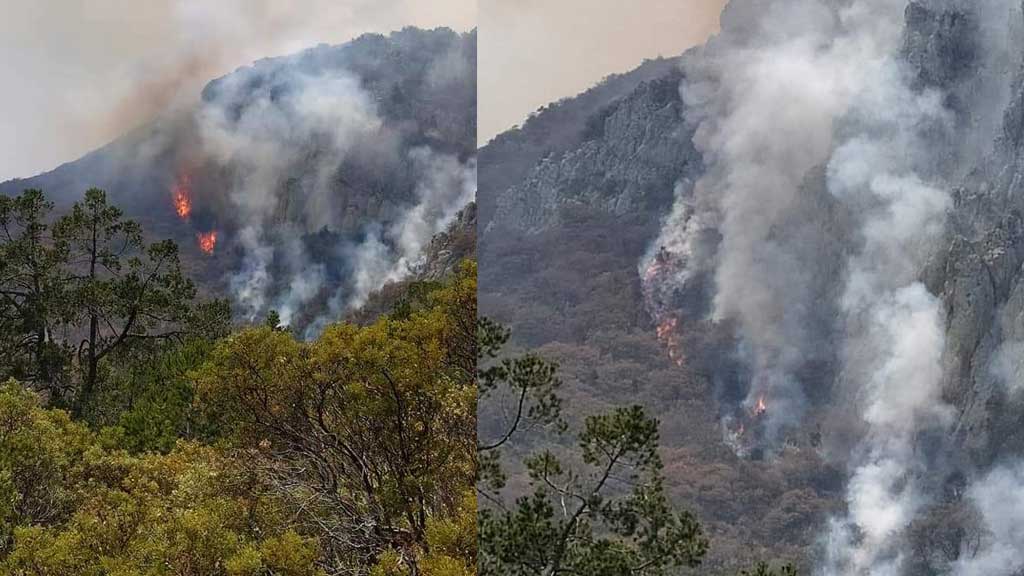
636	150
449	248
978	274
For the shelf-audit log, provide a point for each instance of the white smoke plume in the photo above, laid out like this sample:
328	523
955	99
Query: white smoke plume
766	100
314	124
250	284
996	550
789	89
894	328
1008	365
291	143
445	185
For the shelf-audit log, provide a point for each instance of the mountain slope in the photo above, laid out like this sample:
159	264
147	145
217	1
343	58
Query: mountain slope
581	274
559	267
315	177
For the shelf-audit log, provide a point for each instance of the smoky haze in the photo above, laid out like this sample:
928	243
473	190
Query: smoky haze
534	52
833	135
78	74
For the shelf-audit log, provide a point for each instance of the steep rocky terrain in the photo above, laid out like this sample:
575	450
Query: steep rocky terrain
631	147
313	178
563	238
559	262
978	274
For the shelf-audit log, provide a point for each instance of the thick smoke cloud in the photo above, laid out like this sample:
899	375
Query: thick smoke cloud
87	72
997	549
313	125
308	153
830	164
445	186
894	326
299	177
766	95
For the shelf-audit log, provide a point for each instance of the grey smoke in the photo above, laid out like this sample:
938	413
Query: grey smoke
315	124
307	279
766	95
87	72
288	150
996	551
790	89
444	186
1008	365
250	284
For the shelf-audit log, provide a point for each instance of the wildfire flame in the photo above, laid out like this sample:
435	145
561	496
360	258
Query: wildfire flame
666	328
664	263
761	407
207	241
668	335
182	196
653	270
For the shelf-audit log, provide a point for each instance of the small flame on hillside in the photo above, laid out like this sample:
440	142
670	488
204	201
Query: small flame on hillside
182	196
666	328
761	407
664	264
668	335
207	241
653	270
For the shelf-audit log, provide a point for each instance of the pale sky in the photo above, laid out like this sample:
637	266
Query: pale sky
532	52
78	73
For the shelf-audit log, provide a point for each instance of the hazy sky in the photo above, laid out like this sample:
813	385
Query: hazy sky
78	73
532	52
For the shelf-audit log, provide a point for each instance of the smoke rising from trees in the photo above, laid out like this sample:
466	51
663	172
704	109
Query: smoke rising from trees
831	153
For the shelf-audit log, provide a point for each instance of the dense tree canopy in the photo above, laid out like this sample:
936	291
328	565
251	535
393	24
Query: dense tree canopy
370	430
593	506
84	288
140	433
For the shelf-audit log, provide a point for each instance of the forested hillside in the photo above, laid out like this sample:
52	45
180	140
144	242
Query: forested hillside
561	272
144	433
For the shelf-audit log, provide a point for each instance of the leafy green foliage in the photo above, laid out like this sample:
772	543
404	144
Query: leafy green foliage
609	516
32	283
149	401
188	449
71	505
41	461
368	430
599	507
604	511
524	386
122	289
87	290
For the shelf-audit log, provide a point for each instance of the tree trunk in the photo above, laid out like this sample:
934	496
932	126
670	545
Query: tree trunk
90	377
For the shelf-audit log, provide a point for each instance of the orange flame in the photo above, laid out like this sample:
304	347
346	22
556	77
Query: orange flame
666	328
182	193
761	407
652	271
668	335
207	241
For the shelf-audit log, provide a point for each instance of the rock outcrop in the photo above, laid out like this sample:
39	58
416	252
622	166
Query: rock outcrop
633	152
